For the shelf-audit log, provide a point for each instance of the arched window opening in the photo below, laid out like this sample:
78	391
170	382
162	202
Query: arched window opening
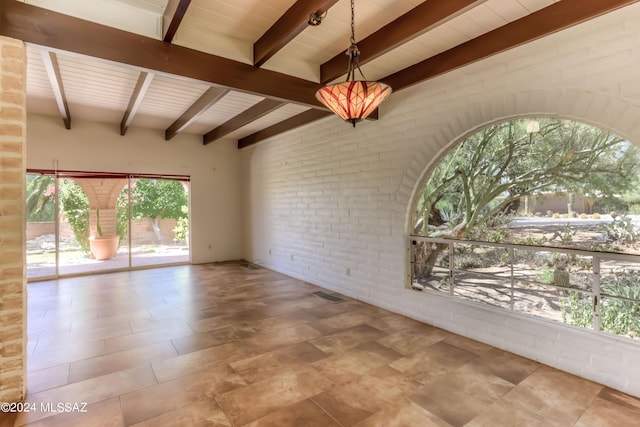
536	215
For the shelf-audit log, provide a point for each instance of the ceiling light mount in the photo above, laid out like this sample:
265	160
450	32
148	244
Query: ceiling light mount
353	100
315	18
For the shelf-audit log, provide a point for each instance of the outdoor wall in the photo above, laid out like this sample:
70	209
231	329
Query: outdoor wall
216	226
331	205
141	230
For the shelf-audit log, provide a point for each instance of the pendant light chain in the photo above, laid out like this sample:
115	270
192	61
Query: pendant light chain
353	24
353	52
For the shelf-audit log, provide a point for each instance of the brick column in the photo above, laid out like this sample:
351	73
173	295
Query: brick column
13	293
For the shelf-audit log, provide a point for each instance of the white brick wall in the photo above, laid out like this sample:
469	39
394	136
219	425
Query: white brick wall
331	205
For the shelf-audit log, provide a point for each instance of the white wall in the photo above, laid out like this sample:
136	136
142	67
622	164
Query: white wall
214	170
330	204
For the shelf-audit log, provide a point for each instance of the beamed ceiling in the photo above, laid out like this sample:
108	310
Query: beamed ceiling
249	69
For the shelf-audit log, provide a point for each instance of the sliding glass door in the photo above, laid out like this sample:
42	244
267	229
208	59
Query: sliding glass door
80	223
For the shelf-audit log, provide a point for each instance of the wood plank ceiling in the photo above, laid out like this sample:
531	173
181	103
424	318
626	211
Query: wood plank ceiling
248	69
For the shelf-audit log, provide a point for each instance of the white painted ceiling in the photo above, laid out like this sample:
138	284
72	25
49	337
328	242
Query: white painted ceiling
100	90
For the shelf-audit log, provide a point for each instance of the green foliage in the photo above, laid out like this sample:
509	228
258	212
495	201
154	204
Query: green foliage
494	229
75	205
578	309
181	230
565	236
122	218
546	275
620	316
532	241
156	198
487	174
98	228
40	199
621	230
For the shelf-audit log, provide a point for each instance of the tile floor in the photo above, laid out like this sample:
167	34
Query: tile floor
223	345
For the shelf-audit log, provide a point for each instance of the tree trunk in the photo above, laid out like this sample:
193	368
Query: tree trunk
156	229
425	256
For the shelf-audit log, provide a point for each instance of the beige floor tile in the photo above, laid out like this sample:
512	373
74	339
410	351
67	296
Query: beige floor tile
203	414
90	391
282	337
604	413
504	414
47	359
225	346
403	414
47	378
301	414
353	402
106	413
345	320
559	397
201	387
620	398
352	364
409	341
507	365
433	361
257	400
197	361
114	362
391	323
467	344
200	341
128	342
460	396
267	365
347	339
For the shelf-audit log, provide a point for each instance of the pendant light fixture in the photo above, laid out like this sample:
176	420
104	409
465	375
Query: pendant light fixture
353	100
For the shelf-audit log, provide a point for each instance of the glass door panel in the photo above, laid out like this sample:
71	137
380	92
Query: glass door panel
41	225
159	221
88	209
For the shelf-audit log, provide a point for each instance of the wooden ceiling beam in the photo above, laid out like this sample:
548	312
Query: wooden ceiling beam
551	19
142	85
57	31
174	12
260	109
52	68
412	24
292	23
296	121
210	97
544	22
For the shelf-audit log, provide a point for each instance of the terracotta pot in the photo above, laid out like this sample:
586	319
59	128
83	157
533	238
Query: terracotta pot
105	247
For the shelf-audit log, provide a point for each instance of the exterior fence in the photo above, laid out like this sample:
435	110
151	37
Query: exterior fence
595	290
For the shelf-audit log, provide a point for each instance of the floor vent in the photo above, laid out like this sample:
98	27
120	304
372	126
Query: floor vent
328	297
251	266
